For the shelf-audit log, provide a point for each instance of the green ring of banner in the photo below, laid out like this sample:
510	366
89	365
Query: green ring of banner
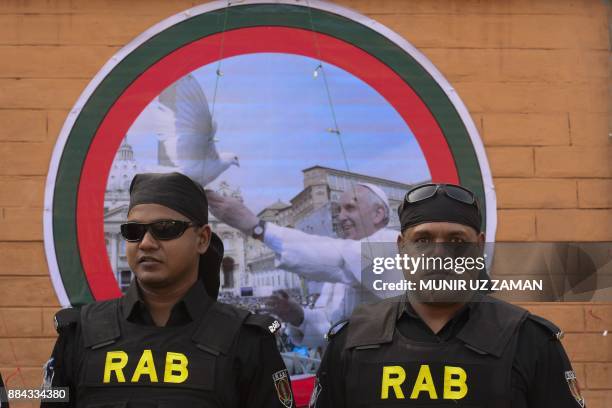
184	32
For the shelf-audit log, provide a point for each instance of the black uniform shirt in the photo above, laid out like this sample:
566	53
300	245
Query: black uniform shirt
3	395
194	304
256	356
538	370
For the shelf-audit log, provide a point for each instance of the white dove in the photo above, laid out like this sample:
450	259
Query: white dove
186	133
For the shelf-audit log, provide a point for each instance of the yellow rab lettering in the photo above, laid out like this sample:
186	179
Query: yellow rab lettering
175	370
176	363
146	366
393	377
115	362
399	376
455	377
424	382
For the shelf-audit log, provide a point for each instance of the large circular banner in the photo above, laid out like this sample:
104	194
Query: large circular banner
281	105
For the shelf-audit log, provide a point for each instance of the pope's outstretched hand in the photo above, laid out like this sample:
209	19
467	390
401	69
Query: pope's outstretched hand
231	211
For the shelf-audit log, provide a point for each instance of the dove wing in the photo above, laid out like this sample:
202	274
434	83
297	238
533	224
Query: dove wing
186	130
165	130
194	122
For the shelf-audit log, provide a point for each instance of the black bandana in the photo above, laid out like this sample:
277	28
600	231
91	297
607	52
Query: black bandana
180	193
439	208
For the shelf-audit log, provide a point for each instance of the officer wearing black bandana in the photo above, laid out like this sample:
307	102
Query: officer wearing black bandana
167	342
426	350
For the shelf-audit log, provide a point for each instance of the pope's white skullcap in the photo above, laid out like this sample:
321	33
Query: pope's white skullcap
378	192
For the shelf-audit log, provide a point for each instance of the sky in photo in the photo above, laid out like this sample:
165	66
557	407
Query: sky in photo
274	113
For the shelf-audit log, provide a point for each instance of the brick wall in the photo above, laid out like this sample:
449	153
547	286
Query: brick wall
534	76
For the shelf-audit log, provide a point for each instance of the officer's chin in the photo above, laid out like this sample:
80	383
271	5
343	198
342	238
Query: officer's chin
152	279
441	297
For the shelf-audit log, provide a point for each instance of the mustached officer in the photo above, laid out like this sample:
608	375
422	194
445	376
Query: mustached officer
444	348
167	342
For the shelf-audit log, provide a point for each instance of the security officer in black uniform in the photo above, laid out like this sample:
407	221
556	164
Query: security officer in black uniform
412	351
3	395
167	342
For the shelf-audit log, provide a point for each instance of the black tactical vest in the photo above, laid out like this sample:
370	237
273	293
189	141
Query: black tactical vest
3	395
471	370
129	365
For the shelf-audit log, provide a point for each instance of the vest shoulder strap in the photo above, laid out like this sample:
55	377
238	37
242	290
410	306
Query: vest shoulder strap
100	323
491	325
336	328
263	321
66	318
372	324
219	327
554	330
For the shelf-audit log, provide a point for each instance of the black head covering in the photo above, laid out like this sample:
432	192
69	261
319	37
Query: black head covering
439	208
182	194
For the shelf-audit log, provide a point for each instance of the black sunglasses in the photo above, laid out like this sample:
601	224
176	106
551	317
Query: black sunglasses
163	230
453	191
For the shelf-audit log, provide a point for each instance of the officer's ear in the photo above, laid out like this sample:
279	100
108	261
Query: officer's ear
400	240
204	234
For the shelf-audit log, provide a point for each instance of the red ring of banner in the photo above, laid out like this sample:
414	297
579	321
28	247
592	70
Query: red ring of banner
90	219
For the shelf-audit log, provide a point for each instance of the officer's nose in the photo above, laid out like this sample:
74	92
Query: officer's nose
148	241
438	247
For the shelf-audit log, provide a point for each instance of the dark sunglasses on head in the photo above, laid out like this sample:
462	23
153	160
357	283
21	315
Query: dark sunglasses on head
453	191
162	230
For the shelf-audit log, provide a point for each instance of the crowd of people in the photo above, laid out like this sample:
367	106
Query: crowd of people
299	359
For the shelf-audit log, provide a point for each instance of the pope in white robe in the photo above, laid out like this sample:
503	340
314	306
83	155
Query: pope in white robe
363	217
